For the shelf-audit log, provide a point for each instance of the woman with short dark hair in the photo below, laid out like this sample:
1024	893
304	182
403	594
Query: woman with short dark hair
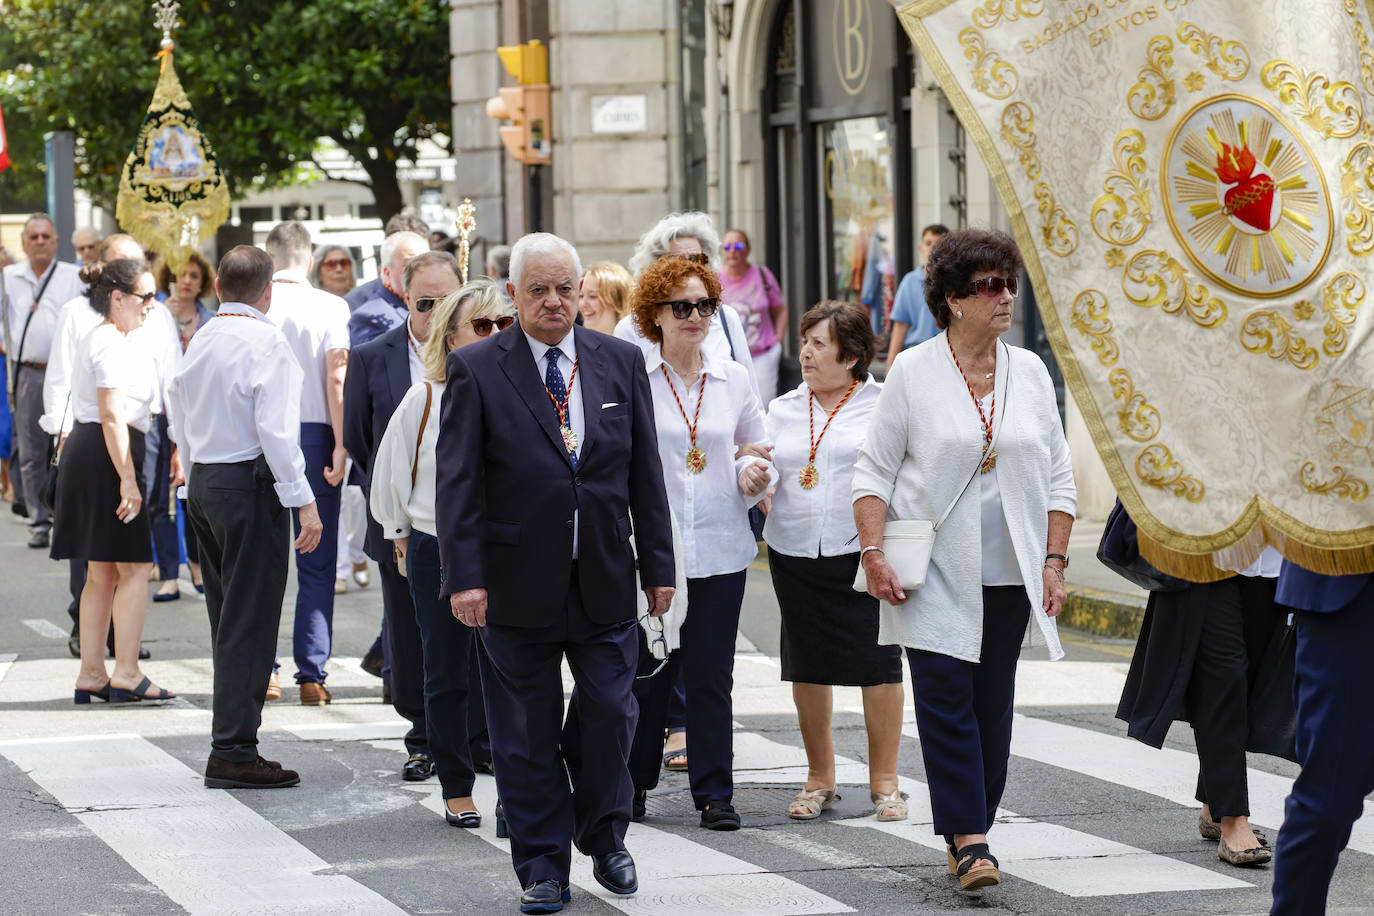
98	515
829	631
967	430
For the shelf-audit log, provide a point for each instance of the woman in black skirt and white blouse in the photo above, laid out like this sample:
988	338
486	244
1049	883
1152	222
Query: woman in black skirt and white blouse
99	514
830	631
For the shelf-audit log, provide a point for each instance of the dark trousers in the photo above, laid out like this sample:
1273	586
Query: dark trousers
449	661
313	632
157	467
245	537
405	655
1236	627
188	535
33	443
1335	748
707	661
963	715
536	754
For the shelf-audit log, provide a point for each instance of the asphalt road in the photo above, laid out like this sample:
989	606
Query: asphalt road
102	810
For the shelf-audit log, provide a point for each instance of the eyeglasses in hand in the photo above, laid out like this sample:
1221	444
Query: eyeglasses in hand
657	642
682	308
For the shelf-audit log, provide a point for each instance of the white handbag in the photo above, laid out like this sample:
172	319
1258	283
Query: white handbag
907	543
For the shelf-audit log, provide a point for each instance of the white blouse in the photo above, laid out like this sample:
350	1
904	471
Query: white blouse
818	522
396	505
923	442
105	358
711	510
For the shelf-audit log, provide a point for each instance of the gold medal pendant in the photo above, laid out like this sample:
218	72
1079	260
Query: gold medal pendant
569	439
989	462
809	477
696	460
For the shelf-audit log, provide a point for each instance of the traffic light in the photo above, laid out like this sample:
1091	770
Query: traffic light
528	138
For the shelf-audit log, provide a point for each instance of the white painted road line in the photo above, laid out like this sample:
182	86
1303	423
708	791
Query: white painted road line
676	875
201	847
6	659
1168	773
46	628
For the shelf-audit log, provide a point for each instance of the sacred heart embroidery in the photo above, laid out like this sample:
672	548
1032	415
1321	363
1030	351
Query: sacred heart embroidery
1252	199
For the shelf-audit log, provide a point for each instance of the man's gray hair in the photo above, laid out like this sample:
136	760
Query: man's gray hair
397	239
429	258
288	245
498	261
540	243
658	241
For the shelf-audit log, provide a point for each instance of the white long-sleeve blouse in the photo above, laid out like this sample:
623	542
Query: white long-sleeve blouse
396	505
924	440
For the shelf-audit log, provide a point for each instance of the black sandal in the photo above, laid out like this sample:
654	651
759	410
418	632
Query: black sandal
971	878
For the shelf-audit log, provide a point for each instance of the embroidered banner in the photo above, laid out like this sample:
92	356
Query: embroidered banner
1192	185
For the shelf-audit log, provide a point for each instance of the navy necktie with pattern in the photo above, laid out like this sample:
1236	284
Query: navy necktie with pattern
553	381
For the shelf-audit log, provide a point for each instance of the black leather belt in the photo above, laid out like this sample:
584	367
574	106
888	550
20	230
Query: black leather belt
27	364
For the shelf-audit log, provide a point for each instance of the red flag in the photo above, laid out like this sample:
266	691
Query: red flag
4	147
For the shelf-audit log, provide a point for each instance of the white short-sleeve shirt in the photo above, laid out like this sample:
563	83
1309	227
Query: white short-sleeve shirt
106	358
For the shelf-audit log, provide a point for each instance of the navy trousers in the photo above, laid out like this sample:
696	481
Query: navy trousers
405	672
314	627
963	715
157	467
448	653
1335	748
707	661
561	781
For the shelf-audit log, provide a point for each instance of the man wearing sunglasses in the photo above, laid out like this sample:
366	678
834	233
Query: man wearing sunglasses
315	324
380	373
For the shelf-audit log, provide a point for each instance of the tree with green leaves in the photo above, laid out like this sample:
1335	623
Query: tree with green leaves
267	80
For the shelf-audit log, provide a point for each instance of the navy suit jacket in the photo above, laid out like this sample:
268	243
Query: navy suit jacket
378	378
361	295
1308	591
506	490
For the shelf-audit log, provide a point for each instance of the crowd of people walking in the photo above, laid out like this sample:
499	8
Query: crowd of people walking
557	464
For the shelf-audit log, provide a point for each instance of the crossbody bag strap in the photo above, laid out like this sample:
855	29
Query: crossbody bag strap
996	433
14	382
420	437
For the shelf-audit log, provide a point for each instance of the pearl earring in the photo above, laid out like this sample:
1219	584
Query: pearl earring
958	314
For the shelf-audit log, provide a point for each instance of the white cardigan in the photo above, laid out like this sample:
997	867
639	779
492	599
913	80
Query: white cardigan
923	442
397	506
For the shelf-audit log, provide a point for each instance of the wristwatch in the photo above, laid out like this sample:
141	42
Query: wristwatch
1058	556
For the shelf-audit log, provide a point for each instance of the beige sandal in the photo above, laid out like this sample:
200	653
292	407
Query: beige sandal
809	805
894	803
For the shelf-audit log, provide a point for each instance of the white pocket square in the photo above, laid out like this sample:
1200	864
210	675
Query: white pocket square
610	404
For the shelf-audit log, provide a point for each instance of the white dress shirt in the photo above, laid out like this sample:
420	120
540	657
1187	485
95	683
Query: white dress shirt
924	440
711	510
21	286
817	522
396	505
567	348
105	358
716	341
157	339
415	348
238	396
314	322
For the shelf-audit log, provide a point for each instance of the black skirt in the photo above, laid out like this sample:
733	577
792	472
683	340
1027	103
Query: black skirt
830	631
84	522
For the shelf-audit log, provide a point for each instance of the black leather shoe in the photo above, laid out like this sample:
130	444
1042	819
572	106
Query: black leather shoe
259	774
19	508
418	768
39	539
74	645
372	663
615	871
547	896
720	816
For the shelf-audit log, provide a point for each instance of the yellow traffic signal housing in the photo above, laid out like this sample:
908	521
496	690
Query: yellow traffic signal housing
528	138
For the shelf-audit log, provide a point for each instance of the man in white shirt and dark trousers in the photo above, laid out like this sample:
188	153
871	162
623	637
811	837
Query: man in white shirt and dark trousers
33	292
236	418
315	324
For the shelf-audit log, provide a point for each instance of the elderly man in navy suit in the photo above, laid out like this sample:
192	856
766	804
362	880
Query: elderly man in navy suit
547	452
380	372
1335	629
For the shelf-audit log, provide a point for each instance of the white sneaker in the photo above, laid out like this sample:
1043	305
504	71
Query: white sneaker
341	586
360	574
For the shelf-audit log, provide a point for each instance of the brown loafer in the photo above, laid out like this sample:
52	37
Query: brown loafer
273	688
1243	858
254	774
314	695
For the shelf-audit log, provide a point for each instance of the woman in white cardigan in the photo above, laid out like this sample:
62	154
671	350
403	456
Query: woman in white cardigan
403	504
966	419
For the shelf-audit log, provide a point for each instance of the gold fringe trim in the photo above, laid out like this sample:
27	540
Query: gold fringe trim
1193	567
1205	568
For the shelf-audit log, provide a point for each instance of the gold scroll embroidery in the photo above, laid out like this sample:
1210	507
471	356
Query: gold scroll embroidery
1343	485
1060	233
992	75
1227	59
1330	109
1267	332
1157	278
1153	93
1089	318
1340	300
1137	416
1157	467
1121	215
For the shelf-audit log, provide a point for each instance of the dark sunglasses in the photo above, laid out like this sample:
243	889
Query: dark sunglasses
734	246
682	308
991	287
141	297
426	303
337	262
702	259
482	326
